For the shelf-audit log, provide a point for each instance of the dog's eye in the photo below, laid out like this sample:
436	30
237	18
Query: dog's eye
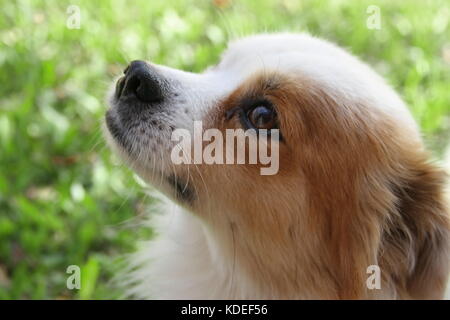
262	117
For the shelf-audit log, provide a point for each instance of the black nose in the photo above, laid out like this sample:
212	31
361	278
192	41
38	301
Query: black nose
141	81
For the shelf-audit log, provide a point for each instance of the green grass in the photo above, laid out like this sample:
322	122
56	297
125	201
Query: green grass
64	200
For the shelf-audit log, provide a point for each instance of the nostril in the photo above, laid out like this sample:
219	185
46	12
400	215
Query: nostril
149	90
142	81
119	86
131	84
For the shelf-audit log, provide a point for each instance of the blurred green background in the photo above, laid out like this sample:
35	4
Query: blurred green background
64	199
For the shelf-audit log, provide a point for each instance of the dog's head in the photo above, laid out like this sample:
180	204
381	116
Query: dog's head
351	179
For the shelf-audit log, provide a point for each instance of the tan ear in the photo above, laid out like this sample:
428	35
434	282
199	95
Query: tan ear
418	247
430	276
427	205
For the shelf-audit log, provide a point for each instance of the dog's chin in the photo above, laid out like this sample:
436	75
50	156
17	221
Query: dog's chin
114	132
116	139
166	181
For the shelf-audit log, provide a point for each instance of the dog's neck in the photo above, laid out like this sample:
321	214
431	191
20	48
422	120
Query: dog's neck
191	259
269	262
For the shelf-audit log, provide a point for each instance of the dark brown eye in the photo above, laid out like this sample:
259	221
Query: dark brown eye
263	117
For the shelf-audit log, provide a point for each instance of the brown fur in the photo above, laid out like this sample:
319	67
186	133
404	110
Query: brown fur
354	189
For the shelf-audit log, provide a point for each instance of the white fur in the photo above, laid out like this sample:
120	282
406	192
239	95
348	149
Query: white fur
183	263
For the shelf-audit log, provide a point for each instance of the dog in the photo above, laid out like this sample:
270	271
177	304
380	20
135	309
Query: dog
355	192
